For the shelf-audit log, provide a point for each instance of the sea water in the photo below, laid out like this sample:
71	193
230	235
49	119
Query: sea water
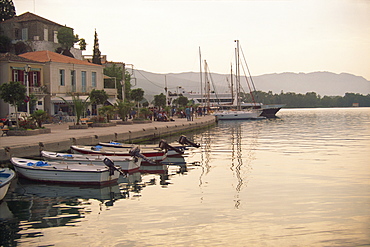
302	179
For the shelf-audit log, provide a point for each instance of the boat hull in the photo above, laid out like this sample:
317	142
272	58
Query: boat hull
269	111
238	115
126	164
152	154
63	172
6	177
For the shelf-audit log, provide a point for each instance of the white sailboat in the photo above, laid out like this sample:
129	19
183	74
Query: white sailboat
238	113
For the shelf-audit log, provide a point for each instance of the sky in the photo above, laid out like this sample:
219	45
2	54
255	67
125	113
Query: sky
168	36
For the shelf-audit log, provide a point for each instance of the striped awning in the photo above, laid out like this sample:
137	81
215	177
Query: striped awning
69	99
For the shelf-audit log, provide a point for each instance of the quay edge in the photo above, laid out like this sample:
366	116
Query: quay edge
61	139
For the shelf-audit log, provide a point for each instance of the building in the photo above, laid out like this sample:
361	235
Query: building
65	76
14	68
30	32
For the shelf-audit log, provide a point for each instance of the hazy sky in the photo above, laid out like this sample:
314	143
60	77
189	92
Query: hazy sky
276	36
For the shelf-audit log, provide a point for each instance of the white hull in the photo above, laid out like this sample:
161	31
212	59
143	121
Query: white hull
6	176
64	172
238	115
127	164
122	152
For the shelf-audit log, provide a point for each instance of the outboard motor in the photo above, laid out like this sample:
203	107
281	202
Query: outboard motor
135	152
110	164
165	146
184	141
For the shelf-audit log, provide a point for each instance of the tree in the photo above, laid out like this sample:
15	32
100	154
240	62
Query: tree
40	116
98	97
82	44
127	88
123	109
5	44
13	93
145	113
7	10
107	111
160	100
137	95
182	100
66	37
116	72
96	52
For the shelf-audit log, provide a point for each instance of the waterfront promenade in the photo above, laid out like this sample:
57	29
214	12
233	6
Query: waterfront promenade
61	137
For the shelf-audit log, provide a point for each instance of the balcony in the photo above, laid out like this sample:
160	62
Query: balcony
38	90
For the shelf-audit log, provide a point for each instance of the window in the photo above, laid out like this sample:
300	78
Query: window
46	34
62	77
15	75
93	79
83	81
55	36
24	33
73	80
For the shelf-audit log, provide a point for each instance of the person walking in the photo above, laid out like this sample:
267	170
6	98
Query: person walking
187	113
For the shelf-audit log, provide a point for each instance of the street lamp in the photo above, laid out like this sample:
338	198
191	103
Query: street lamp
27	69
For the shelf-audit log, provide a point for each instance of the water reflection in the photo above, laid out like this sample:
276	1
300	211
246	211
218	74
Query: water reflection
32	206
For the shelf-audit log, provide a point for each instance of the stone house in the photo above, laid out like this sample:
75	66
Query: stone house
30	32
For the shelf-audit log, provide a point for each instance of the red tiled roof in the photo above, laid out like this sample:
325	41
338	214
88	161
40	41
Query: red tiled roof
49	56
28	16
14	58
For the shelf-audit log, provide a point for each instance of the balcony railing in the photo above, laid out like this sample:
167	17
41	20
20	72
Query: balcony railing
38	90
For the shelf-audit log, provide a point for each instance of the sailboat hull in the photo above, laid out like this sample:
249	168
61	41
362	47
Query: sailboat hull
238	115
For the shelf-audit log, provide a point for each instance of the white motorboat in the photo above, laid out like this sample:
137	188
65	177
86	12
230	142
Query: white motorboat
64	172
155	154
6	177
126	164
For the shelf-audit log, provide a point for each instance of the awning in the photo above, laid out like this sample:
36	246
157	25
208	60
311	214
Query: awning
69	99
112	101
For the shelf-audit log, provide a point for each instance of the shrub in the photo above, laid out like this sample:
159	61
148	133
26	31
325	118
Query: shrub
27	124
98	119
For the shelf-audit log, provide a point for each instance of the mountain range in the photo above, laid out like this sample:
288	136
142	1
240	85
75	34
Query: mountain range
322	83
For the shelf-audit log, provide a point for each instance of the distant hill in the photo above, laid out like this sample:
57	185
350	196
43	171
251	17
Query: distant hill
323	83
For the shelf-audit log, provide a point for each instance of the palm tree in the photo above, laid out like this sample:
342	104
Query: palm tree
123	109
79	106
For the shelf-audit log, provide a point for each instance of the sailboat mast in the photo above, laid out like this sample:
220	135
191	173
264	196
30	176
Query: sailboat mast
237	75
232	83
200	75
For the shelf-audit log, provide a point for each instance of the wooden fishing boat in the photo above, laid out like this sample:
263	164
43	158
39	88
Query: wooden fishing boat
64	172
126	164
6	177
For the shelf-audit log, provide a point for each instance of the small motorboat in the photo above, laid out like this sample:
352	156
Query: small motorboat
155	154
65	172
6	177
183	144
126	164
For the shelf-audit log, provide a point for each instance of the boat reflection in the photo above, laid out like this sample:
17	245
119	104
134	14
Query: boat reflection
32	206
9	226
151	175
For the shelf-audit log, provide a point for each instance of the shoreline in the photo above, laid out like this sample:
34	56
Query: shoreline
61	138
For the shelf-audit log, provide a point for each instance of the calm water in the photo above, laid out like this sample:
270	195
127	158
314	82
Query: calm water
300	180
